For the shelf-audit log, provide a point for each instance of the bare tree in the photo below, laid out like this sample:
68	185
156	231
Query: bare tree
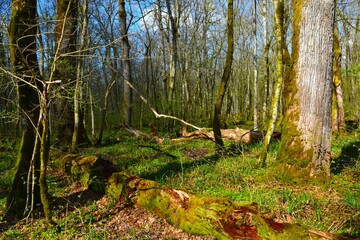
225	77
126	65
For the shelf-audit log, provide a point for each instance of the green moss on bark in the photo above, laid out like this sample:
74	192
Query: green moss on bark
91	172
198	215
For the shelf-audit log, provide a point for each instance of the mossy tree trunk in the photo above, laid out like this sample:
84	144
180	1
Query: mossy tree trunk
282	56
306	139
44	151
338	113
22	36
65	34
225	77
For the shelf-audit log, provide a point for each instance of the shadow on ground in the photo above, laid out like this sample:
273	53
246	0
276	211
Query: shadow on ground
348	157
173	168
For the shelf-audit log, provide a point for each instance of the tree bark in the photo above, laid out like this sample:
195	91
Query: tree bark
255	84
65	45
338	113
280	39
22	36
225	77
126	66
306	140
173	52
79	136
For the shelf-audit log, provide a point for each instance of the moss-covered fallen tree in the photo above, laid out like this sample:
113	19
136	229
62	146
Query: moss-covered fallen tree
194	214
198	215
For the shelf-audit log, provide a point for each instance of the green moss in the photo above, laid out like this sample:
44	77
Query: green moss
116	184
89	171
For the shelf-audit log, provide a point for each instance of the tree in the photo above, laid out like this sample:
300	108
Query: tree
225	77
79	134
65	34
256	85
126	65
282	59
306	139
338	124
22	35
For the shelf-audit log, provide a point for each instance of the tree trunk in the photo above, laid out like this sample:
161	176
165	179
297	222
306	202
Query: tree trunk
79	136
173	52
338	119
225	77
44	153
22	36
306	139
266	64
65	34
255	86
282	59
126	65
104	110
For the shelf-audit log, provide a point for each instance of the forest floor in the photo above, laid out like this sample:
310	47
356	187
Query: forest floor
331	205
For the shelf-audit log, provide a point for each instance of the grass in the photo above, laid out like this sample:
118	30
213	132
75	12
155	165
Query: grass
326	205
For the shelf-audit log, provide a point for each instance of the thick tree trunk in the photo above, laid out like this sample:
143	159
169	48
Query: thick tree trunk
306	140
22	36
225	77
198	215
65	34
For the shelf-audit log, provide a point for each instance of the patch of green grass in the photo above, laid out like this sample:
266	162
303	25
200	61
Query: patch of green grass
193	166
352	198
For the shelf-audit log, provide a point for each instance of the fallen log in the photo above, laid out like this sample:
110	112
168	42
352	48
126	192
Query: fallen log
149	137
237	135
217	217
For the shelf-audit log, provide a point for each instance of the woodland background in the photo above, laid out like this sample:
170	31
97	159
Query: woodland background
76	75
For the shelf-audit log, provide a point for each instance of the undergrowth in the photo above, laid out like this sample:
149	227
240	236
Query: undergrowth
332	205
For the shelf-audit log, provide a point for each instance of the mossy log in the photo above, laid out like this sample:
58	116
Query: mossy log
90	171
206	216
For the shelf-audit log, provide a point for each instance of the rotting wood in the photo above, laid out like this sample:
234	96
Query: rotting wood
89	171
205	216
237	135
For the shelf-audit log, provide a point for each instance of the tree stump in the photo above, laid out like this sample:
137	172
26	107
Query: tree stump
90	171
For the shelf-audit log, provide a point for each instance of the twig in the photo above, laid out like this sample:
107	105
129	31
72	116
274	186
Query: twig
158	115
159	150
